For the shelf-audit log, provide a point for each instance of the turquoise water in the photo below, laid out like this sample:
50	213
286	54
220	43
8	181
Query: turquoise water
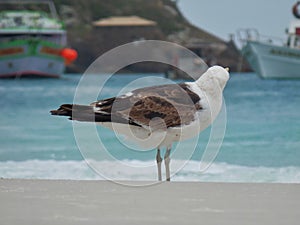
261	144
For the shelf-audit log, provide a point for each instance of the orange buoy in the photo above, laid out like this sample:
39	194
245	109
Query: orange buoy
69	55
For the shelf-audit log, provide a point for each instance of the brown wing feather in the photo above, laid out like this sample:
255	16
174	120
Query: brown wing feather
173	104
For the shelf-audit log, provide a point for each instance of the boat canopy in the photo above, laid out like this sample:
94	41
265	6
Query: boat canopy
28	20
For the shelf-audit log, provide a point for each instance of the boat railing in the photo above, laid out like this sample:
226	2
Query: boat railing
252	34
59	39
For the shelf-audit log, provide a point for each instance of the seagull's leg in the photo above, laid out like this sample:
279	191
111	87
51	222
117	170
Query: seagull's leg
167	163
158	161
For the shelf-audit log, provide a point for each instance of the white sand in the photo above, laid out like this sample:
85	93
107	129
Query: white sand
102	202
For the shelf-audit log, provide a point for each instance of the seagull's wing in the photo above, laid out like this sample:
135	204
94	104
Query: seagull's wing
173	104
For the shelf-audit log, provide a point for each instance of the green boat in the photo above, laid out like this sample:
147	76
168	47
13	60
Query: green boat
32	43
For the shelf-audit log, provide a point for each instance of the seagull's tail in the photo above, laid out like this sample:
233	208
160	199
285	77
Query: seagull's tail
86	113
63	110
79	112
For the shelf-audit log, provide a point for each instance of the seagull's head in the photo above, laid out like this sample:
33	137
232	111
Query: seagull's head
217	74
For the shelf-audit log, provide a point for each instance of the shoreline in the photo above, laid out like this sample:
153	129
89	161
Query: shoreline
105	202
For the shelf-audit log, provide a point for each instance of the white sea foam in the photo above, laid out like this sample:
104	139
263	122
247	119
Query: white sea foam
140	170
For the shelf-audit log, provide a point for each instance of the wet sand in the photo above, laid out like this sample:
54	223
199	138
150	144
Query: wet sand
103	202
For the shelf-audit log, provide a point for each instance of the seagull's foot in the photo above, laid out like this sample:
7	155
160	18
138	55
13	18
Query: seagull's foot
159	161
167	164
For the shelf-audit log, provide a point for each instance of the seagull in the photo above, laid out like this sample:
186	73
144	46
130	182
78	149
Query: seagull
158	116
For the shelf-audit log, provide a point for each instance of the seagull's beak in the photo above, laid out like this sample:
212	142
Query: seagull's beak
227	69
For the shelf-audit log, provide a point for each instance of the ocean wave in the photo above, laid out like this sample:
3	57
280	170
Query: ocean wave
146	170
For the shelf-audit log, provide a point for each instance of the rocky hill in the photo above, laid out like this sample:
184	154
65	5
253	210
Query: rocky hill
79	16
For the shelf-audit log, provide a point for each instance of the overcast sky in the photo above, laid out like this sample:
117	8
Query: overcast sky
222	17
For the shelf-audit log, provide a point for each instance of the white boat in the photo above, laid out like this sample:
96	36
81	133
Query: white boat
32	42
271	58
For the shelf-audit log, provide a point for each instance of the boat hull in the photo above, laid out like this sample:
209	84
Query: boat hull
30	57
271	61
31	66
